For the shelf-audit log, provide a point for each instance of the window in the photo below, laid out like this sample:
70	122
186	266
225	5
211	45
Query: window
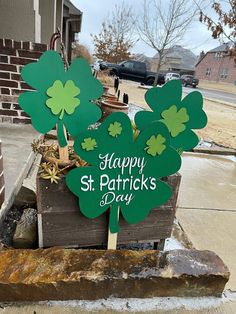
129	65
208	71
139	66
217	56
223	73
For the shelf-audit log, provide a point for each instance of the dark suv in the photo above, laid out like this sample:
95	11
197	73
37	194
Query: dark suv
189	80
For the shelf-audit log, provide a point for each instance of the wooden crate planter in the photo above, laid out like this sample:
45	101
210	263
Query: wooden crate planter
60	222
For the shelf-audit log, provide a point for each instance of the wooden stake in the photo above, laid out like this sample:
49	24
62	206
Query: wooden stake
63	151
112	237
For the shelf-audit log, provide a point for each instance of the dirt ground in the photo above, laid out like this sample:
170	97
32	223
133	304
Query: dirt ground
225	87
221	127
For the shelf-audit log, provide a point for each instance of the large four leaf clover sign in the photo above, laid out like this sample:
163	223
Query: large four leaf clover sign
60	97
180	116
124	174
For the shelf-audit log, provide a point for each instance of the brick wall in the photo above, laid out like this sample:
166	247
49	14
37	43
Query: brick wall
216	65
13	56
2	185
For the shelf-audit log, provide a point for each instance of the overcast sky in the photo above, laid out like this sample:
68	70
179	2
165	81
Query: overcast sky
197	38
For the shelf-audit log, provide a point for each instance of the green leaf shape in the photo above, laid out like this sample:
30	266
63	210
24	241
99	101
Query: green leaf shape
89	144
155	145
78	112
63	98
175	120
118	183
115	129
163	98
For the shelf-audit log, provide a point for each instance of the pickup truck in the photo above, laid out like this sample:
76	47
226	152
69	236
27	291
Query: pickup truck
136	71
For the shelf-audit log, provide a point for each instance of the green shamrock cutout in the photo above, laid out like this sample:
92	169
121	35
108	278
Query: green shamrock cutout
89	144
115	129
122	174
180	116
61	98
155	145
174	120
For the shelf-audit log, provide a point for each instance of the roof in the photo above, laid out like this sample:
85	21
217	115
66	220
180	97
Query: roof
72	9
222	48
186	57
70	12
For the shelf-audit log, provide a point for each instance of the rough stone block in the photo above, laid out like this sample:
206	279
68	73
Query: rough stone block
60	274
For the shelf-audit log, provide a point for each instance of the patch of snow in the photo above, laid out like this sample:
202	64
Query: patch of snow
173	244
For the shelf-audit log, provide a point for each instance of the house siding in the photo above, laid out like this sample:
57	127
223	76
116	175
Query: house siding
216	66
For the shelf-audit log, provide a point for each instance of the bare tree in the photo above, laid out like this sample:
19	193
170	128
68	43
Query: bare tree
79	50
116	37
163	25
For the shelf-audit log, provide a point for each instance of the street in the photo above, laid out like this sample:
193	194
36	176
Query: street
213	94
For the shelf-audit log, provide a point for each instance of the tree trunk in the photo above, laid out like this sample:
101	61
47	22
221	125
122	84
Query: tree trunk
158	68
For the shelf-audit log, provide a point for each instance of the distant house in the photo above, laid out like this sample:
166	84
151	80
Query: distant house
217	65
37	20
177	59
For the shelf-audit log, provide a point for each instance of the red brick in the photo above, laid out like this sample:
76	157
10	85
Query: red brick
21	61
29	54
4	75
3	59
8	43
8	112
15	77
24	114
7	119
17	44
24	121
6	83
8	67
6	105
39	47
16	106
16	91
2	197
5	91
24	85
7	51
26	45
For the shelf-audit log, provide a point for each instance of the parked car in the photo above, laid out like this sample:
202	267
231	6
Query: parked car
189	80
171	76
136	71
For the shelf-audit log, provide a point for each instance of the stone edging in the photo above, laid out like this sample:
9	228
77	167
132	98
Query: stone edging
68	274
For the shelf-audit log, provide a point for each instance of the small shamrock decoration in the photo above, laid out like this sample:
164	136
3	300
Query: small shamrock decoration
89	144
155	145
175	120
124	174
115	129
180	116
61	98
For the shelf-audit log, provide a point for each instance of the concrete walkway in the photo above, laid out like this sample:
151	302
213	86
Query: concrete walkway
207	206
17	158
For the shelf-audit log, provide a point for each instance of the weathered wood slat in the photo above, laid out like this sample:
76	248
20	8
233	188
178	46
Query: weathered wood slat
62	224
